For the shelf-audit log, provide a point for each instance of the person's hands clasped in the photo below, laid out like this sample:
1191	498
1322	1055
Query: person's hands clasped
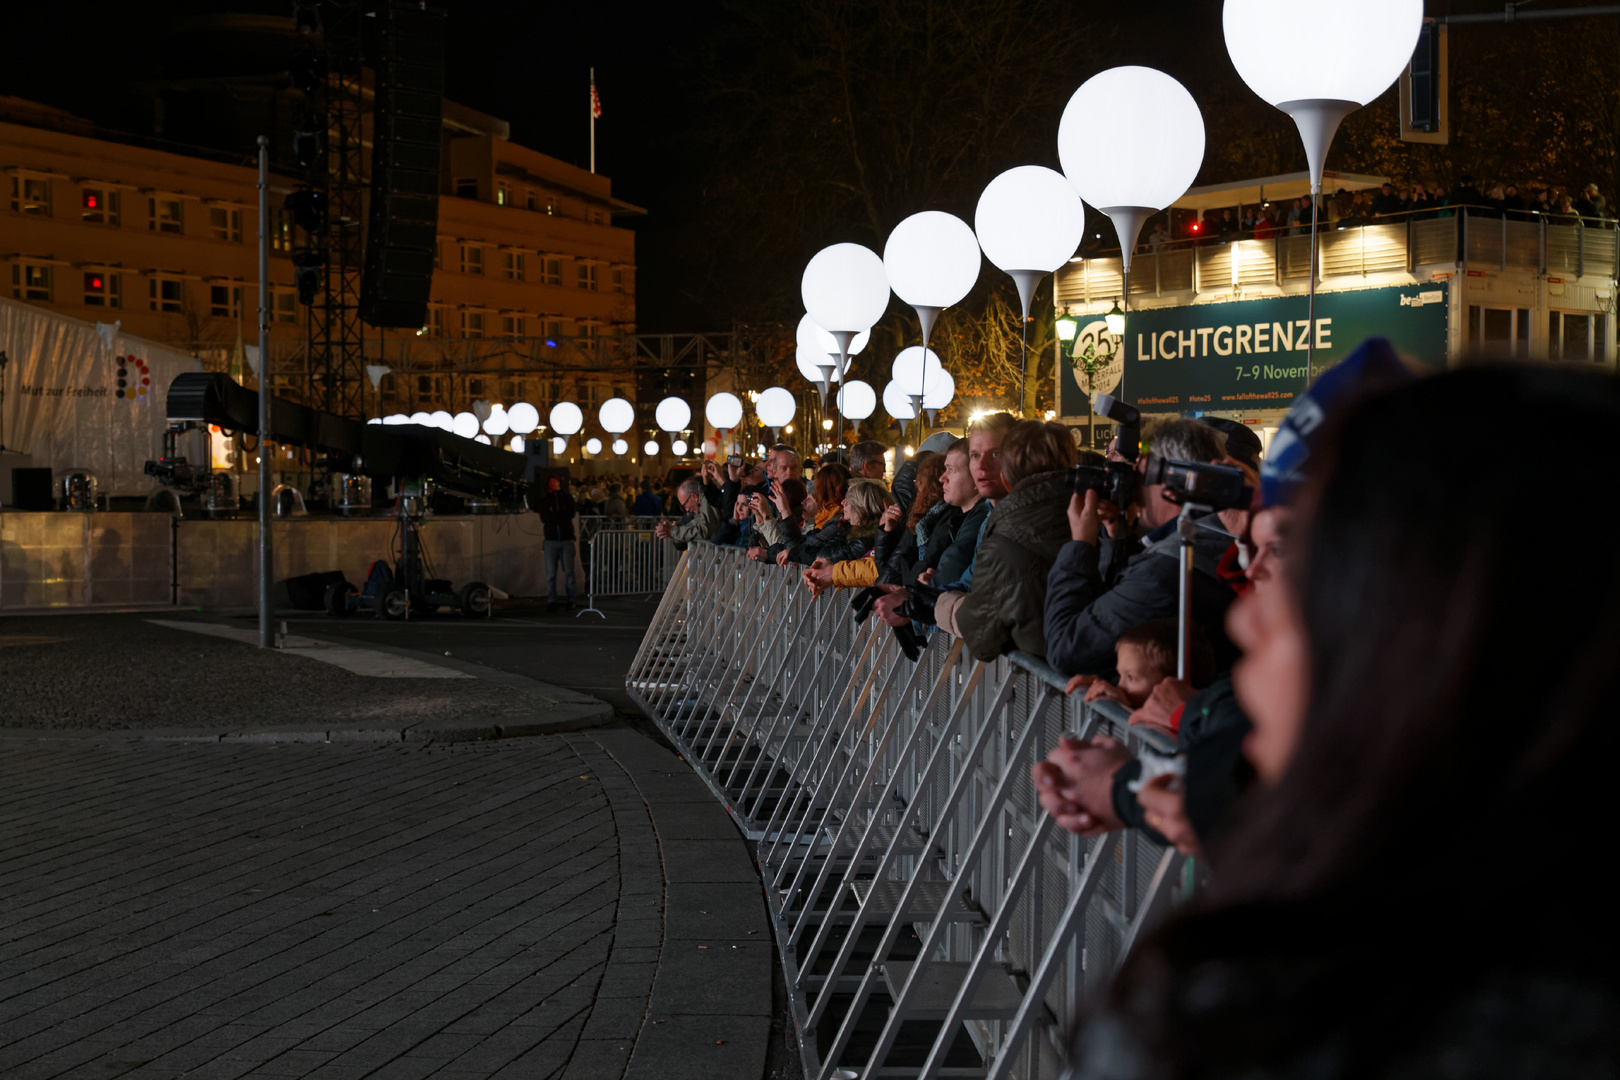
1084	524
662	530
818	577
888	607
1164	806
1075	784
1161	705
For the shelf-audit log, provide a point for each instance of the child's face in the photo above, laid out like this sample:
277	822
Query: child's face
1137	675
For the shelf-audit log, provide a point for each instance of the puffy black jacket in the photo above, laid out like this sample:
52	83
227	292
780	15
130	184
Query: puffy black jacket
1083	621
897	551
958	556
1003	610
834	543
557	512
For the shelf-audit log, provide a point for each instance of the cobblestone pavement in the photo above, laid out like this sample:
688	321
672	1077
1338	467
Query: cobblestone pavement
569	906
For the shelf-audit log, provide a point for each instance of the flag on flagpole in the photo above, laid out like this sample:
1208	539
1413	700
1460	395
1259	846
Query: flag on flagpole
596	102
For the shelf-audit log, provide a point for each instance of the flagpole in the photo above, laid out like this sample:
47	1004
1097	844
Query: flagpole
592	110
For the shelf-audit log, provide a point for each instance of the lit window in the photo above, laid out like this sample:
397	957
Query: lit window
225	300
472	259
472	324
512	326
512	264
31	281
225	223
165	215
31	196
167	294
551	205
101	289
100	206
587	275
467	187
281	230
551	273
503	193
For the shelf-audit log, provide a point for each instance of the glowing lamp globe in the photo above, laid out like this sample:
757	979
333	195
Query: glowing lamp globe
678	447
616	415
593	446
443	421
497	424
465	424
814	339
723	411
708	446
912	365
566	418
393	419
375	420
484	439
1279	48
897	400
941	389
621	447
776	407
650	448
673	414
1155	145
856	400
932	261
1029	222
558	444
425	419
844	289
811	362
517	444
523	417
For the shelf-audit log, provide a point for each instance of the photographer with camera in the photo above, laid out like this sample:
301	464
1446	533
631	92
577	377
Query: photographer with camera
1083	617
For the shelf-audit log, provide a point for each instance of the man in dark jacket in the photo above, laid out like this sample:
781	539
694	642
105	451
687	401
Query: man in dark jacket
1083	620
647	504
557	513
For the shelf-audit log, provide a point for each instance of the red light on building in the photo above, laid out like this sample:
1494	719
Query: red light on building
94	282
92	200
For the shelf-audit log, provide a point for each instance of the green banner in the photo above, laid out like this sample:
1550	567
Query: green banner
1251	354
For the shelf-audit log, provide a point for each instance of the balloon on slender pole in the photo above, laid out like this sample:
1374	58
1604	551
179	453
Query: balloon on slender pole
932	261
845	292
1029	221
1276	46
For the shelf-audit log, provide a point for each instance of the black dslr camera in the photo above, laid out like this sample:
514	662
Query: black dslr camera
1117	481
1221	487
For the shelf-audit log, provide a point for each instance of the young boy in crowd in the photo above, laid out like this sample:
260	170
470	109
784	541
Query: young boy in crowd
1144	656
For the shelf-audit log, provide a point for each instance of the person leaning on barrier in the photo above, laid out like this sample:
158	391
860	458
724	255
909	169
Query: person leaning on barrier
1381	683
787	500
1083	620
756	504
856	532
822	511
699	520
1002	610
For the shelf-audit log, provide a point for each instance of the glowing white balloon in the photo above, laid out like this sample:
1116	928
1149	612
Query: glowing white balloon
523	417
775	407
811	361
393	419
708	446
931	259
375	420
941	389
558	444
913	364
723	411
483	439
650	448
844	288
444	421
673	414
465	424
620	447
425	419
566	418
517	444
616	415
897	400
679	448
497	424
1269	43
1029	221
593	446
856	400
814	339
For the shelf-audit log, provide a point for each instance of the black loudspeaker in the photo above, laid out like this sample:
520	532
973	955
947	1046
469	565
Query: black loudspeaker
31	489
403	235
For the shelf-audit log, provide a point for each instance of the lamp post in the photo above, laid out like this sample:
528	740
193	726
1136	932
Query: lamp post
1093	355
1278	48
1157	147
1029	221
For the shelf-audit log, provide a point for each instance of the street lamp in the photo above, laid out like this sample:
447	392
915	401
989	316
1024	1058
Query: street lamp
1115	319
1091	354
1278	48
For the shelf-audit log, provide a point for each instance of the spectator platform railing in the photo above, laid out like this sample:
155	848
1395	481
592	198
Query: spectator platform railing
624	562
1469	238
931	919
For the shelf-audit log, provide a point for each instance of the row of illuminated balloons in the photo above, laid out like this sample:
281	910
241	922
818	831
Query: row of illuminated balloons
1130	143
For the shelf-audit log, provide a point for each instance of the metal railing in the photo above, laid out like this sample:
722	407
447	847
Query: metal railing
1471	238
932	921
627	561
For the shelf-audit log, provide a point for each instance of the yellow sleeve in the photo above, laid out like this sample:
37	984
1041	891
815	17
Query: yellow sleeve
855	573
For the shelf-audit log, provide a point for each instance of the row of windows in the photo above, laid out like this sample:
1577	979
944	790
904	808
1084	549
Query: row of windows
168	294
517	266
541	202
105	206
481	324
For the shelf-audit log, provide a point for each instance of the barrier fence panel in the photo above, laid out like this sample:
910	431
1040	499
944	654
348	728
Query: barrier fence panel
931	919
624	561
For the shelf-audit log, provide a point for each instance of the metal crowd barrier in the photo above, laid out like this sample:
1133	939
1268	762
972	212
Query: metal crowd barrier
932	920
627	561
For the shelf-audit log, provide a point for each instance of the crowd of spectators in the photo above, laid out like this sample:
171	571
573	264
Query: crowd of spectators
1418	200
1353	686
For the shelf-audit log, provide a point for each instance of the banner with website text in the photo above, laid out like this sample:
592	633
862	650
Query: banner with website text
1250	354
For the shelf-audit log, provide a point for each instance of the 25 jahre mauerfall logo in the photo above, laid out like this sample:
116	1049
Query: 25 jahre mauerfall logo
134	378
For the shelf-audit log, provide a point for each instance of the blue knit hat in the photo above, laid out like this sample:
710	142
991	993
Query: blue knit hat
1371	367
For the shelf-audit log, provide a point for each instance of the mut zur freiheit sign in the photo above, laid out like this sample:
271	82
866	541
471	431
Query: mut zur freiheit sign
1250	354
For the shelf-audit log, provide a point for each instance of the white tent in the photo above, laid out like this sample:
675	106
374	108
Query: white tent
63	403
